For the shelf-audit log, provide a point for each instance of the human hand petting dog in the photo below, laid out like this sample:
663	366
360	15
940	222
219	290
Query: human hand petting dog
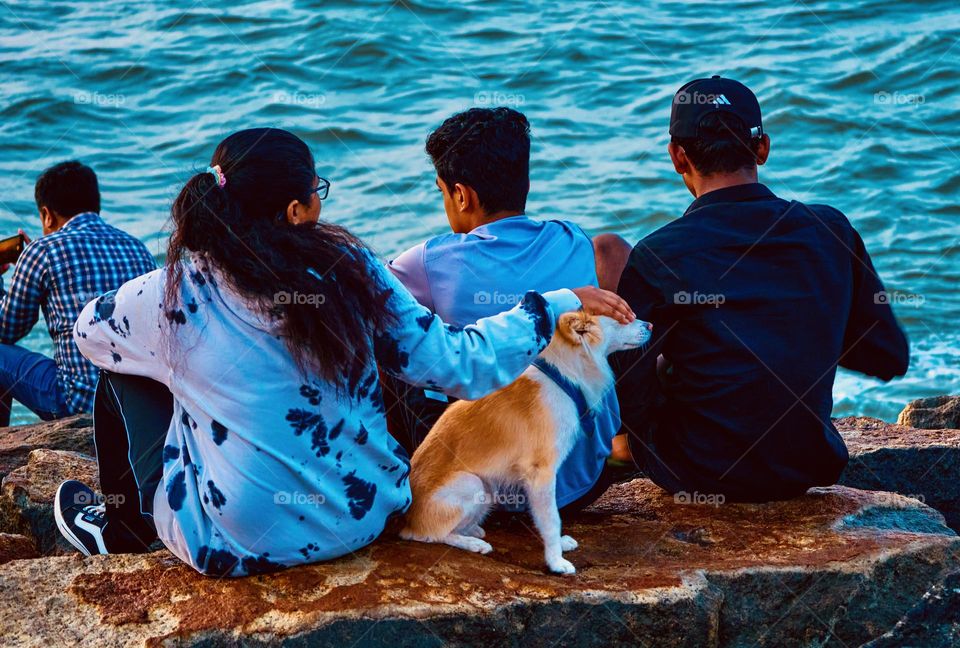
598	301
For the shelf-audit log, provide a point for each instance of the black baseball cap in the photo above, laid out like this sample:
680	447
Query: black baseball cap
701	97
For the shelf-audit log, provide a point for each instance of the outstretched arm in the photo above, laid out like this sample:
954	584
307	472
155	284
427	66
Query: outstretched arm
20	306
472	361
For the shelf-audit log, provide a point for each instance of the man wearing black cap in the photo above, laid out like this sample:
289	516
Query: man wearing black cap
755	301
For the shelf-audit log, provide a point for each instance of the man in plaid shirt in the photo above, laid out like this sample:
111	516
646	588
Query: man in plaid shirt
78	258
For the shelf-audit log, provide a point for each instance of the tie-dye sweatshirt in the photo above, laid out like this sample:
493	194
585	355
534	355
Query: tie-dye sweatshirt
263	468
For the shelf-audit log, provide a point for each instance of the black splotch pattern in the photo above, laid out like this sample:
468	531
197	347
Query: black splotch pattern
311	393
534	305
425	321
177	316
106	304
401	454
170	453
216	562
362	435
389	354
219	432
336	430
216	495
360	494
177	491
254	566
302	421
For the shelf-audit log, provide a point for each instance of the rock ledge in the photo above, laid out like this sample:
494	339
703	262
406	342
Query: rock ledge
837	564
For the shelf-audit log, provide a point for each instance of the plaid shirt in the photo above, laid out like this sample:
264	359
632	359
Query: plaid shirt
59	274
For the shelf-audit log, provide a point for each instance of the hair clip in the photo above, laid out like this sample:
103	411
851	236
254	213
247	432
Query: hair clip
218	174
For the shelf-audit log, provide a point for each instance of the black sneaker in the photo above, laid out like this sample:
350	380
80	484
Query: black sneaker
79	518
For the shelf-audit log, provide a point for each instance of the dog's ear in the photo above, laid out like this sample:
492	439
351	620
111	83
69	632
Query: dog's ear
574	325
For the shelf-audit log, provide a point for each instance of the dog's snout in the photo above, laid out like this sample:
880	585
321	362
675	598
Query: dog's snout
645	332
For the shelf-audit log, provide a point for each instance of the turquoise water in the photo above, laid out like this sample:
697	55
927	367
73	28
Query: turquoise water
860	98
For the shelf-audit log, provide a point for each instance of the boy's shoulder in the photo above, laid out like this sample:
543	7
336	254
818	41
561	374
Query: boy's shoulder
440	245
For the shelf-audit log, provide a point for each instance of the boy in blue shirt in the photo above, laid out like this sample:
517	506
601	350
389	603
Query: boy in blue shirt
494	254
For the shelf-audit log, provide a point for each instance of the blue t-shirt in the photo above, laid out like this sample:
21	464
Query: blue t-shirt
466	277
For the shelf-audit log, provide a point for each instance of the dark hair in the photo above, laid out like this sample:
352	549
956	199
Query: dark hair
723	145
487	149
243	230
68	188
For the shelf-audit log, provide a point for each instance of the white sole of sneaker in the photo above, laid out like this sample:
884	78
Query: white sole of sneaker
64	528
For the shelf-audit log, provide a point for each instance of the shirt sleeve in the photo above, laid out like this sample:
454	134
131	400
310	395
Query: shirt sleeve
121	330
411	269
29	287
472	361
873	342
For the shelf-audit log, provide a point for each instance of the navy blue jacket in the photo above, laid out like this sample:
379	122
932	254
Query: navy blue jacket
755	301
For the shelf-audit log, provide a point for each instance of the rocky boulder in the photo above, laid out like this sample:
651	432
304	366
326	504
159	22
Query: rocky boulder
918	463
838	565
933	623
935	413
16	443
26	495
16	547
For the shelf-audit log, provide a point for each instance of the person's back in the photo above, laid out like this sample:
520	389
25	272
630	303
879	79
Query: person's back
493	256
87	258
79	258
755	301
465	277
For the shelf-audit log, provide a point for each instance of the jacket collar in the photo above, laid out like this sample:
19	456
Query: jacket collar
737	193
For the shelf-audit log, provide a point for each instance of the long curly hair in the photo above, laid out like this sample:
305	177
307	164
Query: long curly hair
242	229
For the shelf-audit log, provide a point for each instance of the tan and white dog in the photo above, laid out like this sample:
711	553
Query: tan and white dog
516	438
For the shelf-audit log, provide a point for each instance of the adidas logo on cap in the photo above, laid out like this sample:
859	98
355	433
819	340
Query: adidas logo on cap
720	100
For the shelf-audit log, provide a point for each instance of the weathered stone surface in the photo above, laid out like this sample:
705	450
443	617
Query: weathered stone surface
73	433
16	547
26	495
838	564
933	623
923	464
935	413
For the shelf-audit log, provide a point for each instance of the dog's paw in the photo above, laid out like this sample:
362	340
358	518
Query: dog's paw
477	545
476	531
561	566
567	543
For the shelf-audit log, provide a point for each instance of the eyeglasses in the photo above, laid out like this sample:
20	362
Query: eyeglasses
322	189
